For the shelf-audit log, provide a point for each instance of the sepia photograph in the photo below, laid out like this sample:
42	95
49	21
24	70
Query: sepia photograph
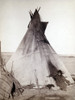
37	49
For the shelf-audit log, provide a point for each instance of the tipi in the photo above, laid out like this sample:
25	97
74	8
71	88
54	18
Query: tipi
35	59
6	81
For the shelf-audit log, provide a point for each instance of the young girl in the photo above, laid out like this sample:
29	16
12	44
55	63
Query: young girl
61	80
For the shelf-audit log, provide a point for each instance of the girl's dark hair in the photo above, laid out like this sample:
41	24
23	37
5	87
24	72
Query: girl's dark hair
59	71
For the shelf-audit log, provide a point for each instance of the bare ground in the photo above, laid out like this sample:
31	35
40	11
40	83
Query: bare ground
46	94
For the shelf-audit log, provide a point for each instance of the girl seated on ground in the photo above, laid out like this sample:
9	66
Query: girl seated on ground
60	80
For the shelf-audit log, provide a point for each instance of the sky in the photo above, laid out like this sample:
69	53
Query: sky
14	19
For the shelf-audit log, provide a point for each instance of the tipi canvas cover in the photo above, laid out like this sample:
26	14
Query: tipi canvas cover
35	59
6	81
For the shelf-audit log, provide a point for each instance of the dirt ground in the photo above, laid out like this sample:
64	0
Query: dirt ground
46	94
